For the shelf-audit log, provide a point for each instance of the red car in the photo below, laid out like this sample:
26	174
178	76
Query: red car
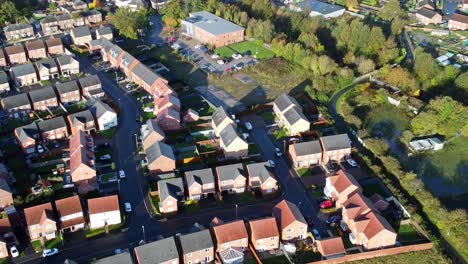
326	204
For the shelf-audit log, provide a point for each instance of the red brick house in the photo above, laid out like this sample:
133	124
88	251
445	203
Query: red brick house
160	158
16	54
26	136
81	121
332	247
200	183
340	186
54	46
41	222
91	86
458	22
264	234
291	223
54	128
36	49
335	148
43	99
168	119
82	159
68	92
231	235
17	106
3	61
261	177
70	214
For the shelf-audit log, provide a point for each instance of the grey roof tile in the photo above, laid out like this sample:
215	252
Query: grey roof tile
171	188
336	142
157	150
229	134
67	87
82	117
89	80
98	108
212	23
81	32
16	100
231	172
261	169
219	115
203	176
122	258
307	148
22	70
28	131
158	251
51	124
284	101
145	74
197	241
293	115
42	94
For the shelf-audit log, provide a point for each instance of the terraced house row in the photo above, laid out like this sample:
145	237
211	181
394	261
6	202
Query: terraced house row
167	104
49	98
224	242
227	179
32	50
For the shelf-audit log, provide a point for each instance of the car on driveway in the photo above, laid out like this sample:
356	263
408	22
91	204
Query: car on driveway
271	163
220	62
14	252
40	149
236	56
239	66
333	219
215	56
122	174
175	46
332	167
105	157
248	125
278	152
316	234
351	162
326	204
50	252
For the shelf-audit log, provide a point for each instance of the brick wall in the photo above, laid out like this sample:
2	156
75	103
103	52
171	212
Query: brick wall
377	253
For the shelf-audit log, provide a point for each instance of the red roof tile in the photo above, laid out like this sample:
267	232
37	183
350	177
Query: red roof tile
264	228
37	214
342	180
331	246
5	226
230	232
459	18
286	213
68	206
103	204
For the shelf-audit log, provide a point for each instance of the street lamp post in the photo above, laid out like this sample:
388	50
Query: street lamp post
118	183
143	229
236	211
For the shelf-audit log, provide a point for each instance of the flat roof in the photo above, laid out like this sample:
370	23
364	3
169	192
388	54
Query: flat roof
212	23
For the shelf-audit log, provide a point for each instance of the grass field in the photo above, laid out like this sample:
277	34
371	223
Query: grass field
303	172
252	48
443	171
386	121
423	257
408	234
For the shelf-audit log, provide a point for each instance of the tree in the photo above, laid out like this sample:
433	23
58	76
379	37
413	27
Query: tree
377	145
425	67
461	86
128	22
53	6
351	3
173	12
443	116
397	25
8	12
364	65
311	41
391	10
401	78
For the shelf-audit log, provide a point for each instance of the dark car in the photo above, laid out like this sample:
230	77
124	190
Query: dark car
332	167
333	219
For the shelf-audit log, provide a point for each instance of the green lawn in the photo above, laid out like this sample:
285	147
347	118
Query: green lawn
426	256
253	149
108	176
188	154
200	137
246	197
107	134
267	116
304	172
253	48
54	243
76	107
407	234
275	260
306	256
101	231
280	134
192	206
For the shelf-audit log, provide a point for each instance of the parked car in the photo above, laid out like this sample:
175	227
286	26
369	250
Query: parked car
236	56
343	226
50	252
332	167
40	149
248	125
175	46
198	46
220	62
129	86
239	66
271	163
326	204
128	207
278	152
333	219
122	174
105	157
351	162
14	252
316	234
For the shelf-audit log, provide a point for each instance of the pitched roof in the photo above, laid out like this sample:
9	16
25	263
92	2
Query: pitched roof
426	12
286	213
323	8
98	108
229	134
356	205
170	188
284	101
5	226
52	42
115	51
157	150
82	117
66	59
336	142
151	126
46	63
103	204
459	18
127	59
307	148
68	206
145	74
4	185
42	94
104	30
230	232
14	27
264	228
293	115
219	115
80	152
3	77
121	258
16	100
371	224
28	131
67	87
197	241
79	32
260	169
422	3
49	19
35	44
89	80
342	180
22	70
64	17
201	177
52	124
230	172
36	214
211	23
18	48
157	252
330	246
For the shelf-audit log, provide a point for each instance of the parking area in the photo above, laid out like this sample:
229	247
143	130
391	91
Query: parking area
210	62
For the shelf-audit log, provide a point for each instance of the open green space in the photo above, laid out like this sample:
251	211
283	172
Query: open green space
108	177
253	48
192	206
267	116
246	197
76	107
54	243
107	134
197	103
426	256
306	256
102	231
407	234
371	189
304	172
280	133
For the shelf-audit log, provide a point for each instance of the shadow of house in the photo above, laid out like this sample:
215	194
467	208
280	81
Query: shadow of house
255	97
